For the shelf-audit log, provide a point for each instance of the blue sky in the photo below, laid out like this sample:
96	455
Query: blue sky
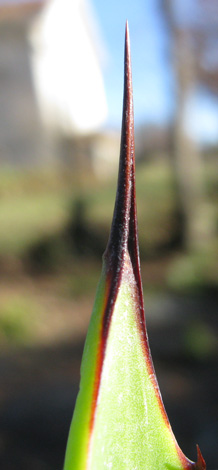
151	79
153	82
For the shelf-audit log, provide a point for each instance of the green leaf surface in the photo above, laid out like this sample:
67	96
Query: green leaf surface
129	427
79	436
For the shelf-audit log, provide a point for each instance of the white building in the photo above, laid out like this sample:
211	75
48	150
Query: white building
51	87
66	49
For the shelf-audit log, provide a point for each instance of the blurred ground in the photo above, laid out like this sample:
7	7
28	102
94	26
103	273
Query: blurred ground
53	233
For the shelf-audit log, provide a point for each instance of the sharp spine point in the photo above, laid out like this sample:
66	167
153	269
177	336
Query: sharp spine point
200	464
123	238
118	240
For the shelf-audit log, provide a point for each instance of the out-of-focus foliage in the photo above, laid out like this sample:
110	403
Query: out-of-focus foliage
17	320
38	205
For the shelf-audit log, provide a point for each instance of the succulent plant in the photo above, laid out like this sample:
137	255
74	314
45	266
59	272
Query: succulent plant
119	422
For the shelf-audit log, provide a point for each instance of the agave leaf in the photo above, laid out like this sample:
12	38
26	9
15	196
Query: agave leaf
119	421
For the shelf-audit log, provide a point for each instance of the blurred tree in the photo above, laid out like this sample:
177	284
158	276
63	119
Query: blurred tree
189	26
206	36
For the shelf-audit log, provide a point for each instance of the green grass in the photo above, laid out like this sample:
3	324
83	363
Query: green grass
17	320
196	271
37	205
25	219
33	206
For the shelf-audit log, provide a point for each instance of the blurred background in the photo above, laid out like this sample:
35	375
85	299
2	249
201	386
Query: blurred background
61	80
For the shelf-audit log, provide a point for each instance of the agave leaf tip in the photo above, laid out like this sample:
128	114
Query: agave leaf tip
119	420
